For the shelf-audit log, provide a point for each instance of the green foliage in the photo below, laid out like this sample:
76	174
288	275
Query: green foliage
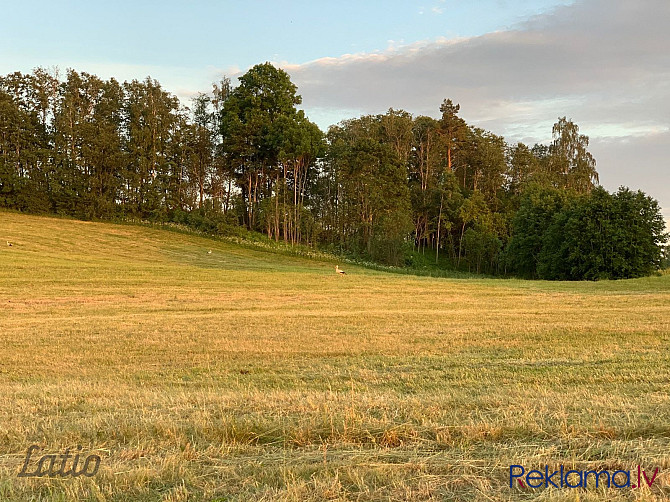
530	223
604	236
570	163
389	244
481	248
595	236
368	177
665	258
391	188
270	148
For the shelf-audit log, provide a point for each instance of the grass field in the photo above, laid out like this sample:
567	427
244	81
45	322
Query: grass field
247	375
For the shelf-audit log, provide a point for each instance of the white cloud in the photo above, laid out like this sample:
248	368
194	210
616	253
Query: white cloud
603	63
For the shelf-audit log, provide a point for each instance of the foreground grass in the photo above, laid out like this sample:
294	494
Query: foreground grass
245	375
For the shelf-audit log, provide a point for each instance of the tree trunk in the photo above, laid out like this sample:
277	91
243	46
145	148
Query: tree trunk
439	224
460	244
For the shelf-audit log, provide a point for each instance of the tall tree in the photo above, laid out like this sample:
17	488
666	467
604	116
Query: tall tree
453	128
570	161
202	145
264	97
373	198
150	119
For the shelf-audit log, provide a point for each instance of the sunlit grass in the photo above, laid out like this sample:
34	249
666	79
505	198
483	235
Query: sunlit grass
248	375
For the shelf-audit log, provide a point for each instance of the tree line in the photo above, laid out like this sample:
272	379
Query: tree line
393	188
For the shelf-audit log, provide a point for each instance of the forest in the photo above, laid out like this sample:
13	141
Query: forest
397	189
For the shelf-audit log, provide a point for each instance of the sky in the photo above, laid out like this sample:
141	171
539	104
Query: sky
514	66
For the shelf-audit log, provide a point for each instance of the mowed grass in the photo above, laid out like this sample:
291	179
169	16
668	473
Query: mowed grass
247	375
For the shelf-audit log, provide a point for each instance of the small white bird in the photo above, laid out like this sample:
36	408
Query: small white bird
9	243
209	252
339	271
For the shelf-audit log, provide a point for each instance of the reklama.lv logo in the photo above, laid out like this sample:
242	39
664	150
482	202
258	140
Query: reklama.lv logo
579	479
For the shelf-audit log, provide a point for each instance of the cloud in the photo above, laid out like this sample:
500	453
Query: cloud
640	162
603	63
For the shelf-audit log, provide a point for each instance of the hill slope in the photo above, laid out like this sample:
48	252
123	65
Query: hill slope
246	374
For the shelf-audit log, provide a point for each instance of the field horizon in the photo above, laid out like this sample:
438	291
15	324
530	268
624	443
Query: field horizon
242	374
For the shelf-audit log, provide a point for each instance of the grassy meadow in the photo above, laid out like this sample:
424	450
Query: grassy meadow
249	375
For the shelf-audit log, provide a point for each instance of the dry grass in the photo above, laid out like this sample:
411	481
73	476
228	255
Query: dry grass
245	375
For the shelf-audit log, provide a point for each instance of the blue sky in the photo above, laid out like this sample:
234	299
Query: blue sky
202	34
515	66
